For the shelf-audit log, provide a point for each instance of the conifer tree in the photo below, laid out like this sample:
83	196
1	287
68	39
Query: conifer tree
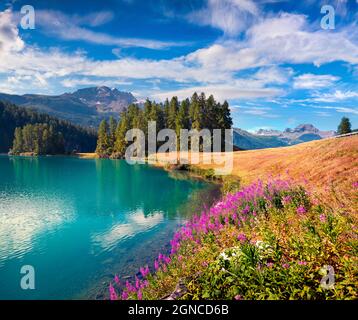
345	126
18	142
103	140
112	133
120	143
173	110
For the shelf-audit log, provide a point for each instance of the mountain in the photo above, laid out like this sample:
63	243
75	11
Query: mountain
248	141
264	138
75	137
85	106
302	133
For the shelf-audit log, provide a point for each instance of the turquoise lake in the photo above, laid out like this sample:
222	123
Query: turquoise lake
80	221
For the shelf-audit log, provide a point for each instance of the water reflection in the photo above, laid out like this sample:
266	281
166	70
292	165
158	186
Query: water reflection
136	223
24	218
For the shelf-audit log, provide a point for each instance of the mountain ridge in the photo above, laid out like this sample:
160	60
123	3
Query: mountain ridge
87	106
268	138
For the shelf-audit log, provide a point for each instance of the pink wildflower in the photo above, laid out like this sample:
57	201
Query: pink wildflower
322	218
302	263
242	237
285	265
140	295
112	293
286	199
238	297
301	210
124	295
116	279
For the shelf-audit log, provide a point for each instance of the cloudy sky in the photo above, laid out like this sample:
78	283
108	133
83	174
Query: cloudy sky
270	59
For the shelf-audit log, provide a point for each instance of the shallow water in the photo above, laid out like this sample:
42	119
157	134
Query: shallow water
78	222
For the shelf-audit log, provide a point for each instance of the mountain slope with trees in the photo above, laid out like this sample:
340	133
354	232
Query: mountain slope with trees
85	107
76	138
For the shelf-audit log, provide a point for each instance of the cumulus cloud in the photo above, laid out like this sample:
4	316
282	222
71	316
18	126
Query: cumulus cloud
9	34
272	42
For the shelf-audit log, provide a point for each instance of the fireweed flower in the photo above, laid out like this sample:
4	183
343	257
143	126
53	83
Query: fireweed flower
242	237
301	210
124	295
112	293
355	184
238	297
302	263
285	265
322	218
116	279
156	265
286	200
140	295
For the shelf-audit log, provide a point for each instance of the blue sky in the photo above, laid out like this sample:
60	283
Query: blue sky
269	58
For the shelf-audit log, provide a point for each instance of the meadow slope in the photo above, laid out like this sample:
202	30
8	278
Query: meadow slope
327	167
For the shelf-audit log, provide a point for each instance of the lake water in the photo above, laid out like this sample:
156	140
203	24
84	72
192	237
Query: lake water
78	222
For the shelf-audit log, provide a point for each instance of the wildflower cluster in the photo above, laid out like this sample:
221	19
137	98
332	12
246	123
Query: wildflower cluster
267	241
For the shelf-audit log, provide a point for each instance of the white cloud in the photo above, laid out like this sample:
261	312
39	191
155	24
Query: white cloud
347	110
313	81
222	92
9	34
230	16
73	83
338	95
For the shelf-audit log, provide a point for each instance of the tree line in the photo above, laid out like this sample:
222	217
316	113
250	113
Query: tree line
197	113
39	139
76	138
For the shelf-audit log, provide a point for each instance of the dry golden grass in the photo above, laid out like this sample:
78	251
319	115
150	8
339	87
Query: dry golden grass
87	155
329	167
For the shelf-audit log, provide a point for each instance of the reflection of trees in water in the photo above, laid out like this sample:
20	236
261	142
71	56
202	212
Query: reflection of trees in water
110	186
147	188
26	170
200	200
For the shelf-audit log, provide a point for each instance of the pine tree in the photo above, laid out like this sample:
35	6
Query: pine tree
120	144
182	120
173	110
195	112
210	114
112	133
147	109
18	142
345	126
166	113
103	140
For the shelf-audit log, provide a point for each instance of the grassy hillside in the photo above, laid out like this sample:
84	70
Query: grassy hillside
328	167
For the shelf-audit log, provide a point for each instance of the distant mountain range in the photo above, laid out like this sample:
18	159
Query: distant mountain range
262	138
89	106
85	106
